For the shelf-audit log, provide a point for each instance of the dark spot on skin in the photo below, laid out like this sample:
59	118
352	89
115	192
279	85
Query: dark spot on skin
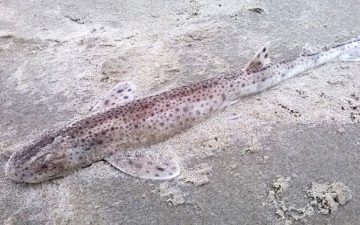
126	97
185	109
243	85
112	128
149	163
136	126
138	166
156	175
147	171
253	82
129	89
159	168
106	102
44	166
100	142
170	174
130	162
120	90
113	103
258	56
266	55
264	49
262	80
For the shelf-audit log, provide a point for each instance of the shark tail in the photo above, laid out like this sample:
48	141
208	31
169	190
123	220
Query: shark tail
353	54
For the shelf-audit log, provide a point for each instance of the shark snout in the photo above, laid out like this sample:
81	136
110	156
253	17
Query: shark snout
19	172
15	174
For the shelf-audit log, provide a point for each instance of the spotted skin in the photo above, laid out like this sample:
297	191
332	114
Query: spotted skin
143	122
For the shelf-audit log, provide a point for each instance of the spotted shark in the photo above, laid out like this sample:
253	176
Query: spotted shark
121	129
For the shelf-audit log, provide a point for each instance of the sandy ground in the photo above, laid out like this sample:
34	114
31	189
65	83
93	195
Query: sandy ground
290	155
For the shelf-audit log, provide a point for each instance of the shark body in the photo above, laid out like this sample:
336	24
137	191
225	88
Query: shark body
122	127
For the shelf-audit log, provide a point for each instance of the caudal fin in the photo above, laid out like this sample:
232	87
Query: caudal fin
352	55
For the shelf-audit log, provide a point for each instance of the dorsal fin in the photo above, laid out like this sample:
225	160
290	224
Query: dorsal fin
260	60
120	94
307	50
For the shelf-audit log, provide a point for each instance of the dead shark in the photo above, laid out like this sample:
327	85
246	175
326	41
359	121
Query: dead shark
121	128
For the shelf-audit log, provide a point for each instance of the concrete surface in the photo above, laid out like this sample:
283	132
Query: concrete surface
58	58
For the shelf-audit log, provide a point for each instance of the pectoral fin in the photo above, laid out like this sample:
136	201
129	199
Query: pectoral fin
260	60
120	94
146	164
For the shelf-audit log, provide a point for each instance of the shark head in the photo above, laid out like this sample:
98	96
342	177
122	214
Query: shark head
50	157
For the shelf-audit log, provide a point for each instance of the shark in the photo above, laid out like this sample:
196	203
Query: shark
121	128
